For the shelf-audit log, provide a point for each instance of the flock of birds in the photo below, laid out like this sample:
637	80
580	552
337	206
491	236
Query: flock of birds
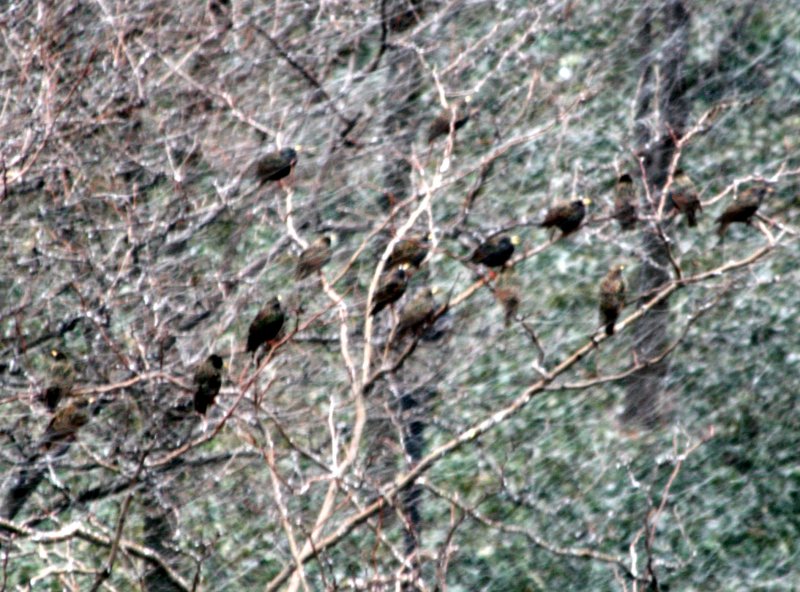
408	254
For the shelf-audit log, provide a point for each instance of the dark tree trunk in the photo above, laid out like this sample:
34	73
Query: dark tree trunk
404	80
657	127
24	484
158	530
400	106
413	444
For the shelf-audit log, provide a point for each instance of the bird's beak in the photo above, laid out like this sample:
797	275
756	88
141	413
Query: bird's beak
435	290
515	240
586	201
298	147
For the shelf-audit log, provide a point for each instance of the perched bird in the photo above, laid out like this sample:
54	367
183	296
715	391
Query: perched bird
266	326
390	289
508	293
683	197
458	113
314	257
207	382
411	250
62	379
495	252
418	312
744	207
566	215
66	422
274	166
612	297
625	199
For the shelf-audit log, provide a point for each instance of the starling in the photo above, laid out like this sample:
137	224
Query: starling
625	202
495	252
612	297
458	113
274	166
266	326
66	422
390	289
508	293
418	312
314	257
411	250
566	215
744	207
62	379
207	382
683	197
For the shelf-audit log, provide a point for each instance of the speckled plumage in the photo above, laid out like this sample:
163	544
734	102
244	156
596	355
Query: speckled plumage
418	312
313	258
207	382
566	215
612	298
625	202
62	379
390	289
743	208
266	326
683	197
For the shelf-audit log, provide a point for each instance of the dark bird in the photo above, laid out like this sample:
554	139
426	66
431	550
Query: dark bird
625	199
411	250
66	422
683	197
266	326
566	215
495	252
274	166
418	312
314	257
458	113
508	293
62	379
612	297
744	207
390	289
207	382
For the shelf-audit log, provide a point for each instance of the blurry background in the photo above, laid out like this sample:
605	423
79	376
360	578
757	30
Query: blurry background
136	239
